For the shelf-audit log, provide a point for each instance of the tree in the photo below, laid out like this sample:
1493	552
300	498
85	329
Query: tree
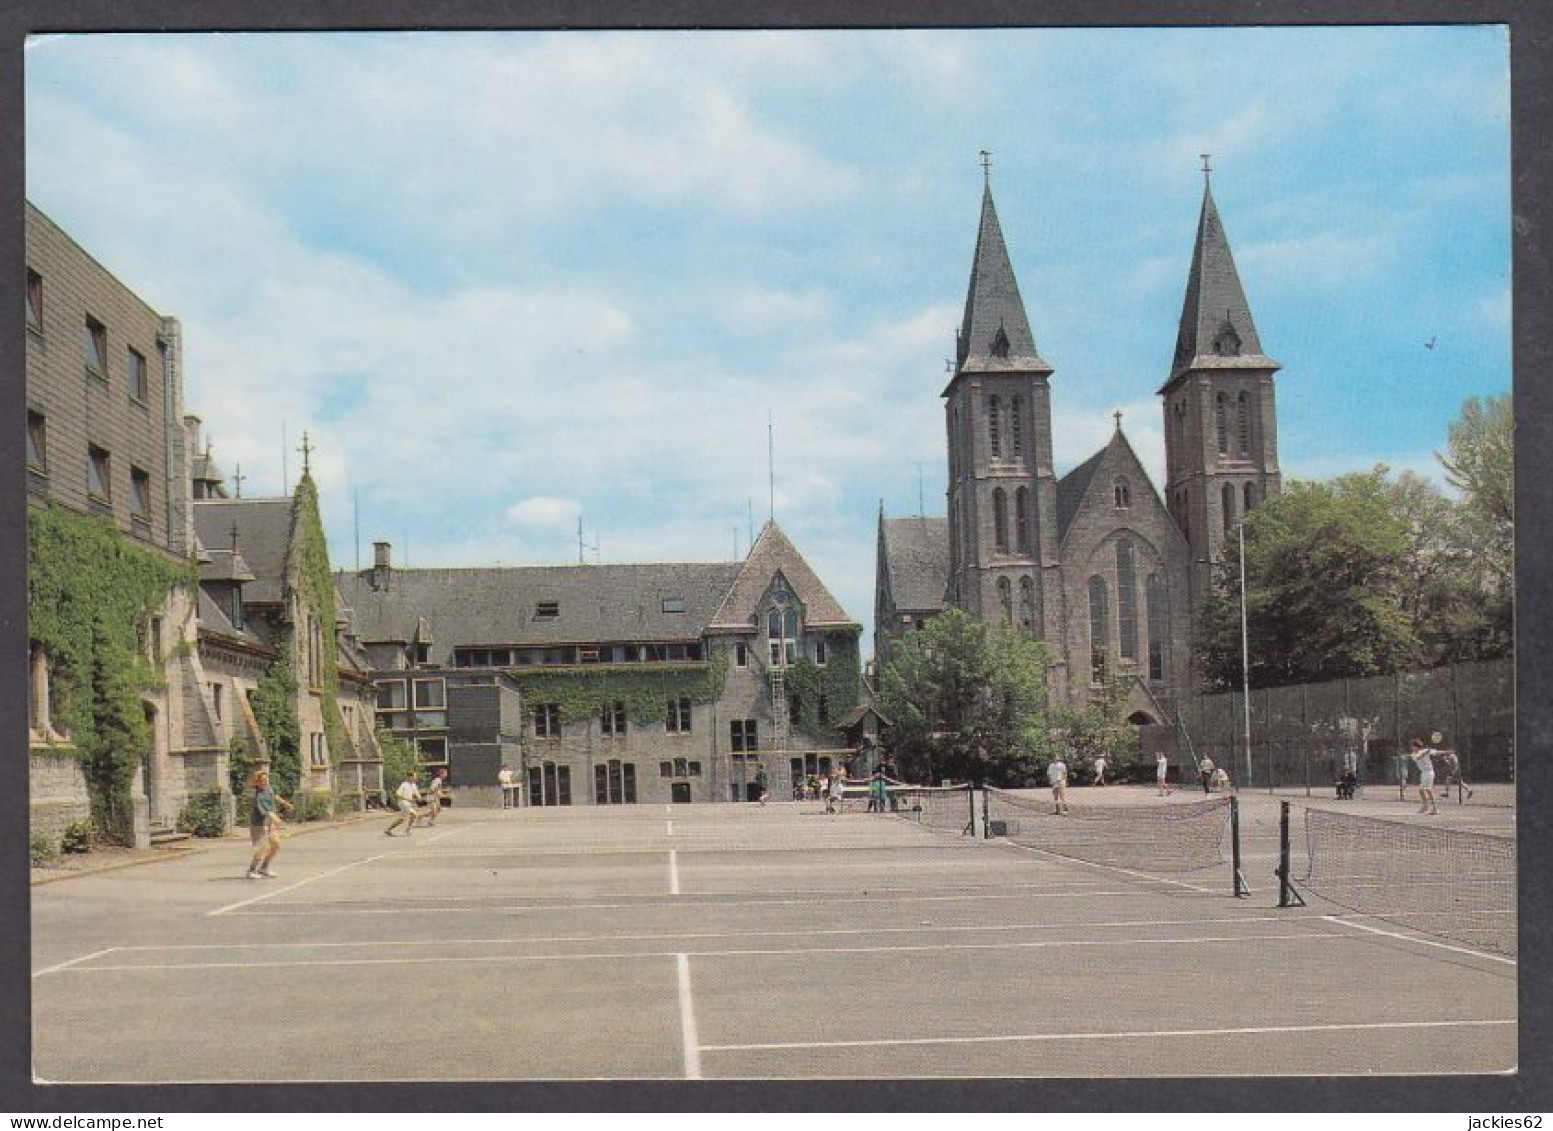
1481	465
1101	728
968	702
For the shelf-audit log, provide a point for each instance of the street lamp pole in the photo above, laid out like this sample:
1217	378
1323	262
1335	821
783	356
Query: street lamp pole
1245	655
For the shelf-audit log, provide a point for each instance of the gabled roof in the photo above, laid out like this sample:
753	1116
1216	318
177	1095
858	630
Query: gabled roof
498	605
995	332
773	553
223	565
263	538
915	561
1116	458
1216	331
1072	487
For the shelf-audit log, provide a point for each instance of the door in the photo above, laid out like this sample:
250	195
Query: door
679	793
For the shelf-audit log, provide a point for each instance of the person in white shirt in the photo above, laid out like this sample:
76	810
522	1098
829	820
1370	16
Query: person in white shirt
504	779
1057	776
409	795
1423	757
1205	768
1100	770
838	791
435	791
1162	773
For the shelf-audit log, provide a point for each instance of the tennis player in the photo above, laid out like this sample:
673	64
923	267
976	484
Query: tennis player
1162	773
264	822
409	795
1057	776
1423	756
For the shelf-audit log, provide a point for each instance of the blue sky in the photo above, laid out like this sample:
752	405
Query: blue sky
505	280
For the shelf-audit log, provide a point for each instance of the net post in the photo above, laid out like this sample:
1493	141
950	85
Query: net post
970	798
1284	888
1241	888
986	826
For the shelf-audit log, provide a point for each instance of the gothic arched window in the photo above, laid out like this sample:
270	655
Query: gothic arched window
1022	519
1000	519
1016	424
1027	604
1221	423
1099	628
1228	498
1126	601
994	441
1243	423
1249	492
1154	610
1006	599
1123	494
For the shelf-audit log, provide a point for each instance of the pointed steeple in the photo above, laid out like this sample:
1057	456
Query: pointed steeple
995	334
1216	331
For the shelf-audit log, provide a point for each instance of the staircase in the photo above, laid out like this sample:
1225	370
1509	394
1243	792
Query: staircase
164	834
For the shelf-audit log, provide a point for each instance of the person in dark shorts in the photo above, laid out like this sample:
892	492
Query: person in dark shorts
1206	768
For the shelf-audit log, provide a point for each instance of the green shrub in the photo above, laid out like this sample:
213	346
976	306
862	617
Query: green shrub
40	850
205	814
312	807
77	837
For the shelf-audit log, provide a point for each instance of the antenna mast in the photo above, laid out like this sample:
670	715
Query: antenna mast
771	462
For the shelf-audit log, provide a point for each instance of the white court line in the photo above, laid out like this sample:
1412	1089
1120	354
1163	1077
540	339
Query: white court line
1416	939
293	887
671	827
673	873
687	1020
751	952
73	961
1123	1034
1111	868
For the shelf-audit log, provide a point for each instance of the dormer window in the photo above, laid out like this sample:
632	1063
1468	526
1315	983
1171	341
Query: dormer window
674	604
1227	343
547	610
999	347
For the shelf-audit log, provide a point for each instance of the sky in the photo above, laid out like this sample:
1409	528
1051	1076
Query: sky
505	281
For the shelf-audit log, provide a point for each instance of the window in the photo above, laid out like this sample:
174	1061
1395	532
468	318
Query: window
681	768
1126	601
96	343
237	606
99	473
1154	597
1227	499
1027	605
547	720
613	720
34	301
37	689
782	635
614	783
433	751
742	735
1006	599
549	784
1000	519
318	751
695	769
1016	425
1022	519
1221	423
547	610
139	494
1243	424
679	716
37	442
139	387
420	654
1099	628
391	695
741	655
430	694
674	604
1123	494
666	769
819	651
994	441
1250	497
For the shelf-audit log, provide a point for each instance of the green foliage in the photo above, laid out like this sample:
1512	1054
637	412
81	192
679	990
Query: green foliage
275	710
311	807
77	838
91	594
1100	728
967	702
645	689
1481	464
241	763
315	582
205	814
40	850
399	758
838	685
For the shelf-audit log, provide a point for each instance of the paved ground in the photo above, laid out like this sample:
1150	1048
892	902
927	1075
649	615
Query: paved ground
734	941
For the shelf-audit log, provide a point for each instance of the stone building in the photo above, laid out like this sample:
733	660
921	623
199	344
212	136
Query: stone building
613	684
1095	562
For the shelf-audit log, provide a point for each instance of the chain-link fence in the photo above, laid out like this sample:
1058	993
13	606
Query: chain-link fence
1300	735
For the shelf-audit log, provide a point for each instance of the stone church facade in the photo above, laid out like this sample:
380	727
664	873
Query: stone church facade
1098	563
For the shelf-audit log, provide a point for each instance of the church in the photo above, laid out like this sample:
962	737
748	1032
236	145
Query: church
1100	565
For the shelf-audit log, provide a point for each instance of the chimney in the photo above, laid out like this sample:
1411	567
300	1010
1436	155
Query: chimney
382	564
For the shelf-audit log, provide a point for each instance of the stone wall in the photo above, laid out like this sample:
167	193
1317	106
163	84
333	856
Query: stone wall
57	793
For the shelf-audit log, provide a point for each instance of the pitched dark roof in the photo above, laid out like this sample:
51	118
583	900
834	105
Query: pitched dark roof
1118	455
263	537
485	606
1072	487
995	333
1216	331
223	565
773	552
916	561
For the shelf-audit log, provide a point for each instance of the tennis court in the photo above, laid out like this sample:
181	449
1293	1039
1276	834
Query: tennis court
738	941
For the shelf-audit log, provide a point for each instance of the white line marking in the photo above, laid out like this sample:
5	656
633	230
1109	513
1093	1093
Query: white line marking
668	808
743	953
1416	939
73	961
687	1020
1127	1034
671	827
673	873
293	887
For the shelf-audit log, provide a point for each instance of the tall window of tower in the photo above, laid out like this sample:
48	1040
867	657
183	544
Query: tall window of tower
1006	599
1123	494
1126	601
1228	498
1027	605
1000	519
1099	628
1243	424
1154	599
1249	493
1186	516
1180	430
1221	423
1022	519
1016	425
994	406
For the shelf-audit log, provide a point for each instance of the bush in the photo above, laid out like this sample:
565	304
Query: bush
40	850
204	814
77	837
312	807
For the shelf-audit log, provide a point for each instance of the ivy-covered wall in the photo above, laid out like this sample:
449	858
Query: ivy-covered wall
314	582
91	594
645	689
839	684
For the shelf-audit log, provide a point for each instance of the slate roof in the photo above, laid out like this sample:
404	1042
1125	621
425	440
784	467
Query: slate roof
1215	302
916	561
263	535
215	622
1071	488
496	605
771	553
223	565
993	305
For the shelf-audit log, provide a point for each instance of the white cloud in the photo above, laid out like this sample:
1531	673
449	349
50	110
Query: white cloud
545	512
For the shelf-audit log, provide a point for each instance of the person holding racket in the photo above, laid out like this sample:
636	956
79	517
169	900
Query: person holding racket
264	822
1423	757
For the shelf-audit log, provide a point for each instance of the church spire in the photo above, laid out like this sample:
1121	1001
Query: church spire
1216	327
995	333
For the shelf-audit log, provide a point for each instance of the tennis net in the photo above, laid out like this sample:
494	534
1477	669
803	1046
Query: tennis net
1450	883
937	806
1181	837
